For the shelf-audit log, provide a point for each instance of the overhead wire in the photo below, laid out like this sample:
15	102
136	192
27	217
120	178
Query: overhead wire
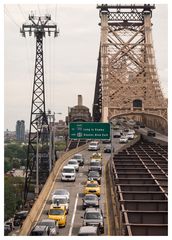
54	61
21	11
39	9
55	12
8	14
50	72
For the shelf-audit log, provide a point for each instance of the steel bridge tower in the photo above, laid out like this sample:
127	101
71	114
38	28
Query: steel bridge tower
127	80
37	154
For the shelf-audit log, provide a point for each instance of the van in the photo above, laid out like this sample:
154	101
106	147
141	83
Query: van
68	173
94	146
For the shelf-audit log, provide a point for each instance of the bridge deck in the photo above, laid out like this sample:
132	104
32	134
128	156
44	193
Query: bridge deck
140	177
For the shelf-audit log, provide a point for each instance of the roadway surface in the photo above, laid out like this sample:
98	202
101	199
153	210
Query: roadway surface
74	220
158	136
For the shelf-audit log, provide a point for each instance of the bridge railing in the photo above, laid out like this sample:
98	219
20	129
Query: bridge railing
42	198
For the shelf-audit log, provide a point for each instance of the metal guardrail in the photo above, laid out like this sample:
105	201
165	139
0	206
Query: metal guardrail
37	207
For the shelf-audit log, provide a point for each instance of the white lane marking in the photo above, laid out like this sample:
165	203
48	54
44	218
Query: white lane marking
73	217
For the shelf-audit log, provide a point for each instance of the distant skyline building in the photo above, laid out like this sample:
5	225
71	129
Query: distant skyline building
20	130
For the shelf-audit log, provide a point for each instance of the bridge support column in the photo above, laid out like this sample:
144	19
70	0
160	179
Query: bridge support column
104	65
105	114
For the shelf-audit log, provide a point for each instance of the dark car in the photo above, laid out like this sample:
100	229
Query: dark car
108	148
90	200
52	224
142	125
40	231
95	165
151	133
136	126
8	227
94	175
106	141
20	217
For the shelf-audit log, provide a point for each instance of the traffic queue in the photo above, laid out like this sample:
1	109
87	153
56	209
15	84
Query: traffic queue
93	220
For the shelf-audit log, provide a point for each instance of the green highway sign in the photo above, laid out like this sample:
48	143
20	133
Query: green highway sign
89	130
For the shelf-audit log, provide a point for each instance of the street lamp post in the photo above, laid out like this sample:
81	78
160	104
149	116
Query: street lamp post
37	162
51	143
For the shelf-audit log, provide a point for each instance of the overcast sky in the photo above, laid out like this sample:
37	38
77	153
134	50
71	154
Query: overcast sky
70	60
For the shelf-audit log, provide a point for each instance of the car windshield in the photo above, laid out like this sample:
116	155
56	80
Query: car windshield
95	163
92	185
93	174
59	200
72	162
37	233
77	156
60	191
92	215
90	197
48	223
56	212
68	170
93	144
20	215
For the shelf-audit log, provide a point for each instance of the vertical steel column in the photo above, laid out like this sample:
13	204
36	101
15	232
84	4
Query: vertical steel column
38	115
39	129
104	64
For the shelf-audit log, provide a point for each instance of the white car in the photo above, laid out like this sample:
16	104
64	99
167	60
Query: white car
74	163
123	139
68	173
60	201
132	131
94	146
130	136
60	192
79	157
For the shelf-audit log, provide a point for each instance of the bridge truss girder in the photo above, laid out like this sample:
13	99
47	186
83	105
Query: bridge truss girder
128	70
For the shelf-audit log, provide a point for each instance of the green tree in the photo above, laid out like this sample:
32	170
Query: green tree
13	195
15	156
10	198
8	165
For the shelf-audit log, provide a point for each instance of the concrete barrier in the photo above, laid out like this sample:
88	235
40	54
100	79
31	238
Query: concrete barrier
37	207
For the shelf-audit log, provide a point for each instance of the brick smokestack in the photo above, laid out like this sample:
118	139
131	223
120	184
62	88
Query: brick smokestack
79	100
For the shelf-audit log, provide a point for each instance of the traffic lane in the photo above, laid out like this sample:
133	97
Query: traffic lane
80	212
75	189
75	197
158	135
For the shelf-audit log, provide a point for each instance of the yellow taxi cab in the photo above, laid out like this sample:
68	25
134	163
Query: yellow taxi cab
92	187
58	213
97	156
